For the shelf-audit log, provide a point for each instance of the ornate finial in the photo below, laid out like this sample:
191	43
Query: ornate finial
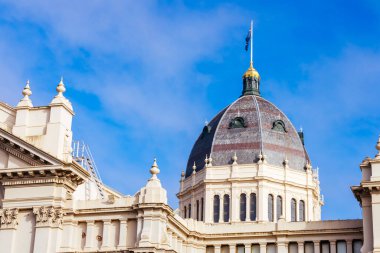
26	92
234	159
61	88
182	174
206	122
378	149
285	162
260	157
210	161
154	170
206	161
194	168
308	165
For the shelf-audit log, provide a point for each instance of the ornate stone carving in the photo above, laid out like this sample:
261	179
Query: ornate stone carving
8	218
48	216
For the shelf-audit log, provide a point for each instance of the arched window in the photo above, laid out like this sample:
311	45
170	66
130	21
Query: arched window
189	211
293	210
279	207
270	207
243	207
301	211
185	212
237	122
279	125
197	207
216	208
252	209
201	209
226	208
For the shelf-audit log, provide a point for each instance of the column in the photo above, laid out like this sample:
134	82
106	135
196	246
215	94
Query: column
281	247
220	208
317	247
367	223
7	239
332	246
106	235
123	234
248	216
232	248
67	237
247	248
301	247
349	246
263	248
217	249
90	235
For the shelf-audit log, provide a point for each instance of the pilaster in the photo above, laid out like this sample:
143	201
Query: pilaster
8	226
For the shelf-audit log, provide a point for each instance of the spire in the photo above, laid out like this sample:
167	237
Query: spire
251	78
26	92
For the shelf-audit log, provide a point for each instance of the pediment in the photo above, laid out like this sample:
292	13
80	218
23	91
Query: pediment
15	152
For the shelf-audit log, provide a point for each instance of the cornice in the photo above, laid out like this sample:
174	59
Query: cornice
42	175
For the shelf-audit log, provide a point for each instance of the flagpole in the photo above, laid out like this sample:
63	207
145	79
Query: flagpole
251	42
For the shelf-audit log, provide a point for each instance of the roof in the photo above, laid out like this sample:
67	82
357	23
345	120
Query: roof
249	126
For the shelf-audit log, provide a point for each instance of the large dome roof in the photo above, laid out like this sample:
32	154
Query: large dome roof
249	126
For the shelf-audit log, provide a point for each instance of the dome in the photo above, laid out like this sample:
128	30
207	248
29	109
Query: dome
249	126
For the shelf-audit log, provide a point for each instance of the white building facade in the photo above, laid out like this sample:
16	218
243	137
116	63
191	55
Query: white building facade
248	187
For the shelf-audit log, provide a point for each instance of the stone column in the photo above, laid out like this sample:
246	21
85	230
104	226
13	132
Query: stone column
123	234
48	222
247	247
90	236
221	214
248	202
232	248
217	249
235	197
367	223
349	246
263	248
68	243
301	247
8	226
106	245
317	247
332	246
281	247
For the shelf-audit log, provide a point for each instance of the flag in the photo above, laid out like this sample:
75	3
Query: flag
247	40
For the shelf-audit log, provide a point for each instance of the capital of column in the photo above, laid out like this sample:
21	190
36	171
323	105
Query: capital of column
8	218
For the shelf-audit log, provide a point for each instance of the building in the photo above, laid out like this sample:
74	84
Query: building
248	187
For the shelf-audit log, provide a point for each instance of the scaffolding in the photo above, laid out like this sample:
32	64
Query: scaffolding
82	155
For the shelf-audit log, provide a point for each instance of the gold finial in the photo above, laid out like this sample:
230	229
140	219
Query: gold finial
251	72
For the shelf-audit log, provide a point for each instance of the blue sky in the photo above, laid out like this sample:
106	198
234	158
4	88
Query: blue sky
143	76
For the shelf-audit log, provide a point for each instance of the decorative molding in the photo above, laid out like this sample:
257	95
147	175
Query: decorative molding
8	218
48	216
41	175
21	153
